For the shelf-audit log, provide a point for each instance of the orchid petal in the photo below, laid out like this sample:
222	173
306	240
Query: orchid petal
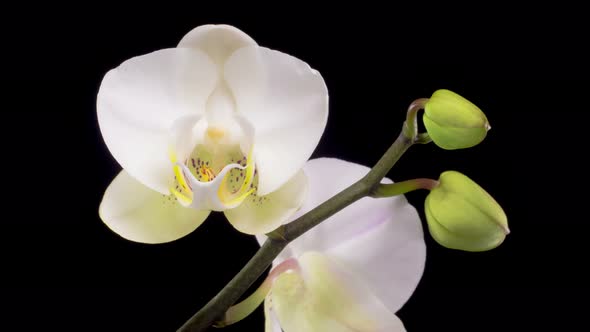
327	297
140	214
271	323
262	214
380	239
221	117
218	41
139	101
391	257
184	132
286	101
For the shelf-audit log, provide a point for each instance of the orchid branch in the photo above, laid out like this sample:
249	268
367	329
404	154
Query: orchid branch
215	309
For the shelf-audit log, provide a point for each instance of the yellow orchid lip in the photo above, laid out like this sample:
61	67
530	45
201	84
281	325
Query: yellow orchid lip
185	194
180	178
233	199
182	198
184	191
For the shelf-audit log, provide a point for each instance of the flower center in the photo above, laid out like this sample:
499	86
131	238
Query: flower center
216	175
206	173
222	170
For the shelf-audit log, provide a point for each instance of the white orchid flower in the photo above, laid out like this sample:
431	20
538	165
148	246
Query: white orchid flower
352	272
216	124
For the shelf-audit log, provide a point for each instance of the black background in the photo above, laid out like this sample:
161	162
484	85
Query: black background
62	269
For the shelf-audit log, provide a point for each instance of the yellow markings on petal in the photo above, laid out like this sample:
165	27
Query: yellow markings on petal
215	133
233	199
227	200
182	197
249	172
180	178
204	164
172	155
185	194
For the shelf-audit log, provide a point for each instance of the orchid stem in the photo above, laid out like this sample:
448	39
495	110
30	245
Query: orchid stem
241	310
410	128
358	190
399	188
216	308
423	138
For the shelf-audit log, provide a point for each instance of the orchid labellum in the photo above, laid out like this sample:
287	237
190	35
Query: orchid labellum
215	124
352	272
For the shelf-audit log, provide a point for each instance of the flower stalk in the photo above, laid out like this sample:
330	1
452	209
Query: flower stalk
400	188
216	308
241	310
410	128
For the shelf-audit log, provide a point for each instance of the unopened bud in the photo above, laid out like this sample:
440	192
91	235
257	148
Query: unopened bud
461	215
453	122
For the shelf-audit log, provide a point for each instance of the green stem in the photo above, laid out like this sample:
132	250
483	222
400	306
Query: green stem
411	125
241	310
217	306
358	190
423	138
215	309
399	188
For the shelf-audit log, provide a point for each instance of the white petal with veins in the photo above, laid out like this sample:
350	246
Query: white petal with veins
326	297
183	134
140	214
263	214
218	41
377	241
139	101
287	103
271	323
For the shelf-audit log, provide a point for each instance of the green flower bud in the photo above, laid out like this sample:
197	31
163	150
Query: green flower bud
461	215
453	122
